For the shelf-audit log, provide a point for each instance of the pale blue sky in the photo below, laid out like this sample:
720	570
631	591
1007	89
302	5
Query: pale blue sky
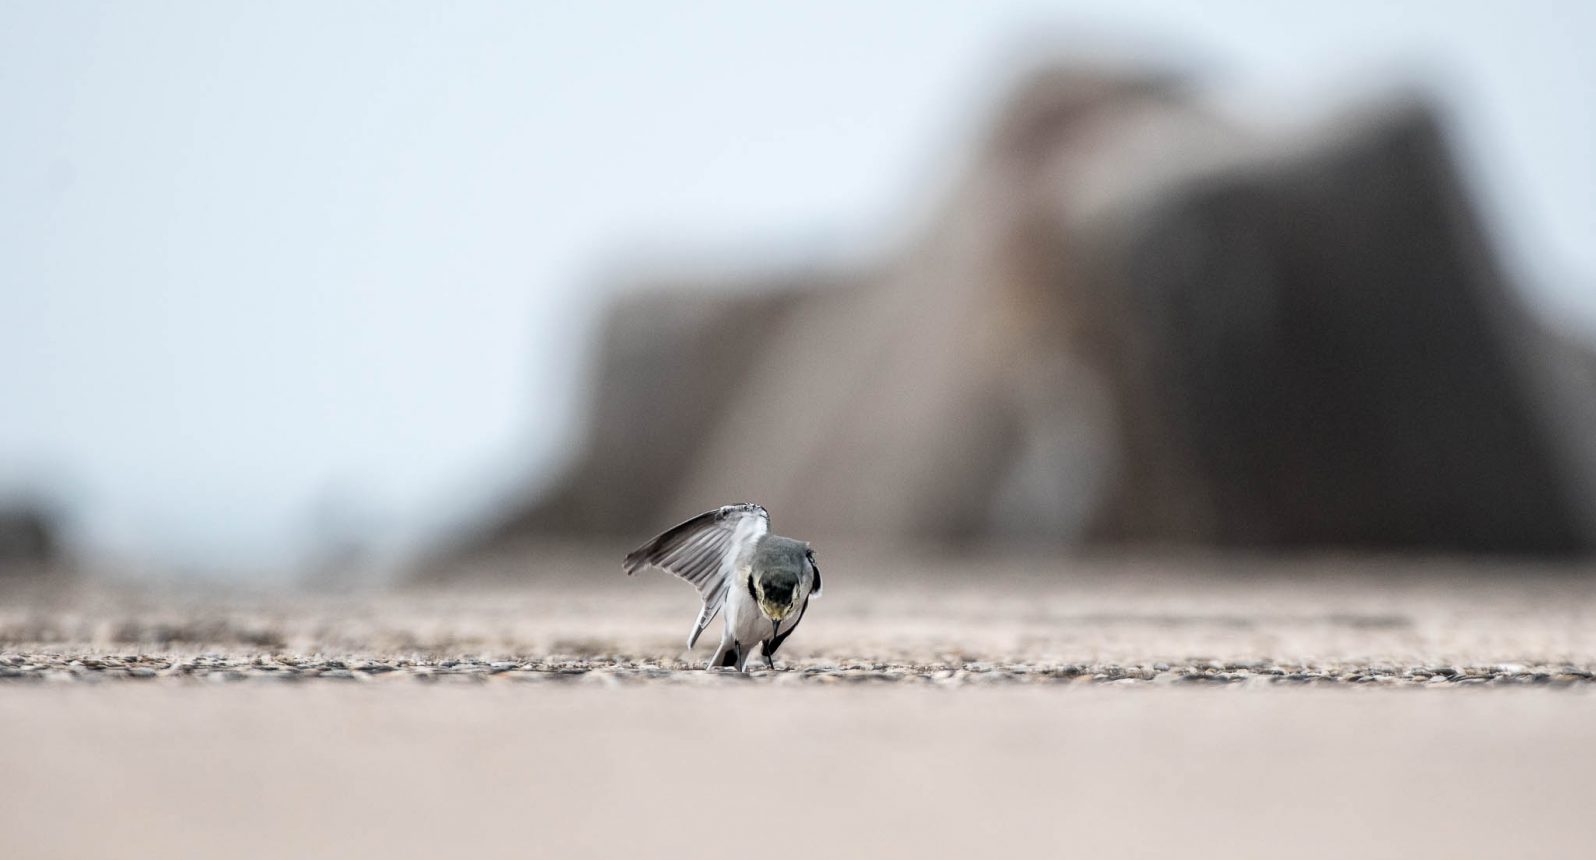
260	259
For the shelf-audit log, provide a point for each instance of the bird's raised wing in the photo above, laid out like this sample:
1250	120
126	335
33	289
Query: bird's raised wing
704	551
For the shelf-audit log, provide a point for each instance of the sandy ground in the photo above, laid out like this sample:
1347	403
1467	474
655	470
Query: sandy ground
402	772
1222	708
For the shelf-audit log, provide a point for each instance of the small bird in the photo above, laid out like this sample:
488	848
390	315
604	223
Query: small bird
764	580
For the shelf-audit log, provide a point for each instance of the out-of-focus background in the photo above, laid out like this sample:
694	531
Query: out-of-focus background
301	291
1157	383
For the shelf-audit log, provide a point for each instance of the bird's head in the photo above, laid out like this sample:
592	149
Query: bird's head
776	578
776	599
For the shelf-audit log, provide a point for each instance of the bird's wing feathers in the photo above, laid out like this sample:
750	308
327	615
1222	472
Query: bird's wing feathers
704	551
712	605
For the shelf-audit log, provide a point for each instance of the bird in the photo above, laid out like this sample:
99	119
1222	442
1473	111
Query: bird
763	580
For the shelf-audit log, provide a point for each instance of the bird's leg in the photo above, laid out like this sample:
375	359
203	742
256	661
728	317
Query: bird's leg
723	654
770	662
739	663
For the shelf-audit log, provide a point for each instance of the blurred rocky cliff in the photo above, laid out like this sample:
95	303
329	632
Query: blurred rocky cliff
31	543
1132	320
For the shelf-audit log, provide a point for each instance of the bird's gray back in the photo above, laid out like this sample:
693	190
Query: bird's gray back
779	557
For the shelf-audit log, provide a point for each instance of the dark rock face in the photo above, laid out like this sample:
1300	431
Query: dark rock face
1335	360
1129	322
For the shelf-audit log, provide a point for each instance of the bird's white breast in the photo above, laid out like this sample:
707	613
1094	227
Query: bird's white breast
747	624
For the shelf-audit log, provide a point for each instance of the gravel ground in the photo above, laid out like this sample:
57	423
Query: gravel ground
1241	623
93	666
1218	708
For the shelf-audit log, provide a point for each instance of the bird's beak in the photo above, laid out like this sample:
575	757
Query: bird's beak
775	627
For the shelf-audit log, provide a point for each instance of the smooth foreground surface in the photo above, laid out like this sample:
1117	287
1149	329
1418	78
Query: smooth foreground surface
251	771
1223	709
